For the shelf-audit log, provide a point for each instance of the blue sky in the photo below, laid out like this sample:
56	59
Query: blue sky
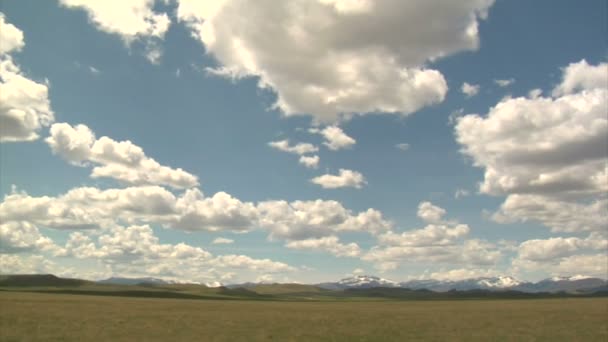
443	141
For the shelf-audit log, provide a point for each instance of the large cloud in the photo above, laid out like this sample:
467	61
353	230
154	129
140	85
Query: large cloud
24	104
550	250
546	153
92	208
131	20
300	220
122	160
438	243
89	208
137	248
331	59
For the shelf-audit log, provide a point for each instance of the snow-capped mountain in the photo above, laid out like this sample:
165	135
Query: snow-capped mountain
360	281
500	283
135	281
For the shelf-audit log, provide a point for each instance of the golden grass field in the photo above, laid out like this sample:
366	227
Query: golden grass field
59	317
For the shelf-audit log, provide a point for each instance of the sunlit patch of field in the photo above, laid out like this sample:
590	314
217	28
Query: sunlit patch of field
60	317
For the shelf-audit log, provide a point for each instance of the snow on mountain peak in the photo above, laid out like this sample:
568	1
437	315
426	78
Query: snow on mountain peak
365	280
501	282
571	278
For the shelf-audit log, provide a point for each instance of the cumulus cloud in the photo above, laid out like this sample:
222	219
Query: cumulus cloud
594	265
131	20
344	179
24	237
11	36
122	160
473	252
546	153
300	220
333	59
329	244
429	212
18	264
137	249
299	148
24	104
441	242
311	162
335	138
560	216
470	90
552	249
91	208
431	235
580	76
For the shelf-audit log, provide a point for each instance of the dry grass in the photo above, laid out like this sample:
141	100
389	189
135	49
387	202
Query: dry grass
55	317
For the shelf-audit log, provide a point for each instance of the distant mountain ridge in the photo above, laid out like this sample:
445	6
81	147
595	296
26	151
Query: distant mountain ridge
573	285
135	281
502	283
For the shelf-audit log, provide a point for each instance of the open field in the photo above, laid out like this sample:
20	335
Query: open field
60	317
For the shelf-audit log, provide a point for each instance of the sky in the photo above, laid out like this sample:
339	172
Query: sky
304	140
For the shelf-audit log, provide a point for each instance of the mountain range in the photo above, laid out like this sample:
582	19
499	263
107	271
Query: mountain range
575	285
502	283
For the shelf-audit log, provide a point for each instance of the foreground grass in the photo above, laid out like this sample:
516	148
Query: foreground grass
58	317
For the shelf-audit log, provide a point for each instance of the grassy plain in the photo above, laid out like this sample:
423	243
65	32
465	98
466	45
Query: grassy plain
62	317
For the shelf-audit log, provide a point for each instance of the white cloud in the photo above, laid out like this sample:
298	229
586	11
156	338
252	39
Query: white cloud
301	220
345	178
469	252
462	274
332	59
431	235
24	237
24	104
137	250
552	249
547	154
130	19
469	90
17	264
90	208
504	82
335	138
560	216
299	149
122	160
222	241
580	76
403	146
594	265
11	37
311	162
330	244
429	212
216	213
441	242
